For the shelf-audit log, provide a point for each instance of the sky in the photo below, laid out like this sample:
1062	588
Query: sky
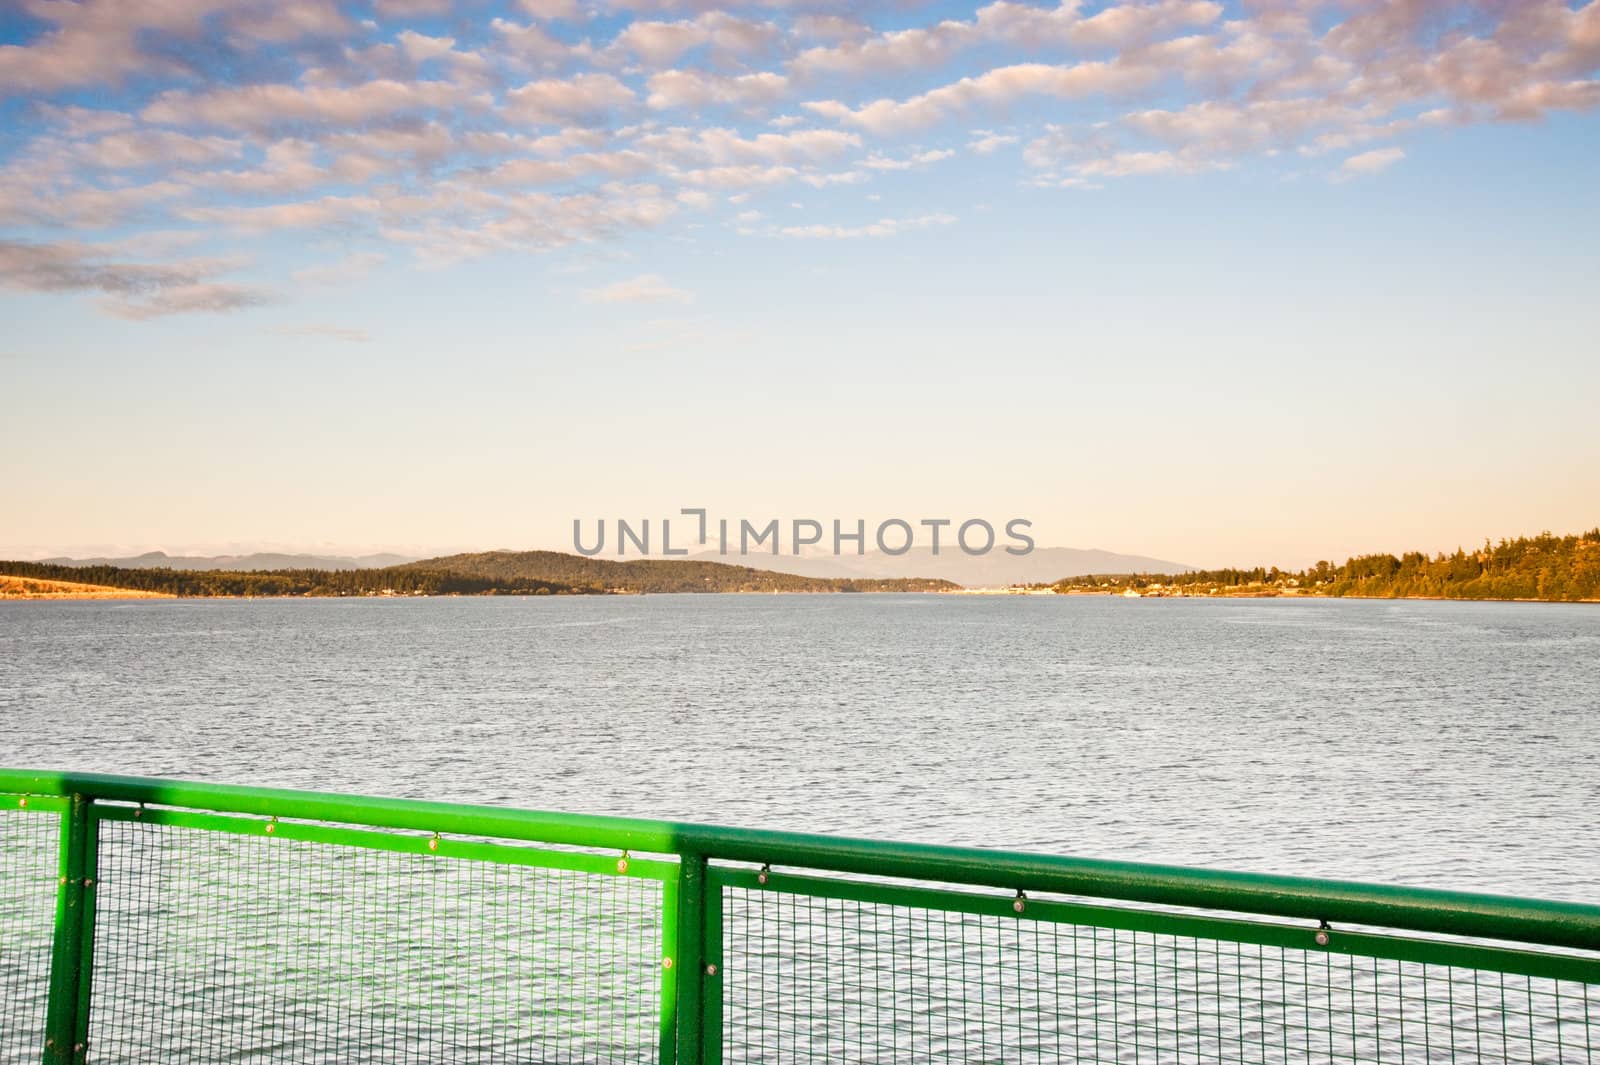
1217	283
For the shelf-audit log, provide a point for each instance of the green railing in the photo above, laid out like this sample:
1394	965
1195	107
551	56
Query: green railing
162	921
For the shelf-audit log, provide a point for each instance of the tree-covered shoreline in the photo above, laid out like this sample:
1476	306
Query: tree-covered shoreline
1543	568
492	573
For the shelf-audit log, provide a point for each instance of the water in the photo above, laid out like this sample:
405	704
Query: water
1438	744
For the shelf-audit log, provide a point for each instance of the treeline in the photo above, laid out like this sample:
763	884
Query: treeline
491	573
393	580
657	575
1543	567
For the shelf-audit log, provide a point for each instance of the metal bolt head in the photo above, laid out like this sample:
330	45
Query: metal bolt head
1019	905
22	801
666	963
1322	937
622	865
272	826
761	877
711	969
433	844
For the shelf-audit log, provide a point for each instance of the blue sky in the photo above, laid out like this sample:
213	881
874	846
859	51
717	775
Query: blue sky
1219	283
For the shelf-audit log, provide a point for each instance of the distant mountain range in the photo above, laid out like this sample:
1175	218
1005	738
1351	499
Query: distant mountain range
996	569
1044	565
237	563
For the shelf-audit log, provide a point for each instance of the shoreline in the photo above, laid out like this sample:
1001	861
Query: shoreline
67	591
36	589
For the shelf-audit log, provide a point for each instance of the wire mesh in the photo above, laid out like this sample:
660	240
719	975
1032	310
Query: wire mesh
216	947
816	979
29	867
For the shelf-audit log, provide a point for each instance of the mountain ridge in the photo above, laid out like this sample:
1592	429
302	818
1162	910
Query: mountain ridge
247	563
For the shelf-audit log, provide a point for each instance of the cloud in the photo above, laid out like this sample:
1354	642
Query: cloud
440	131
646	288
265	107
529	41
525	173
131	290
1372	162
82	206
107	42
1004	22
995	89
305	214
720	146
138	149
584	99
550	10
883	227
910	162
455	222
411	8
694	88
898	50
985	143
661	43
1134	164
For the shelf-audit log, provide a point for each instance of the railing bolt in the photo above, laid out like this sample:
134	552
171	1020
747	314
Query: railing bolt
1322	938
22	801
711	969
433	844
622	863
272	826
1020	903
666	963
761	877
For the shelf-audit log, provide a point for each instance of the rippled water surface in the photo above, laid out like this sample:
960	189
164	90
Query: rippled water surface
1448	744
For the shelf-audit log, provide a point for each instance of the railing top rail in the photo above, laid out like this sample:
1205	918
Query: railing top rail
1564	924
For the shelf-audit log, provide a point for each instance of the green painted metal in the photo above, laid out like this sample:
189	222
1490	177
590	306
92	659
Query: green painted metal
1563	924
713	963
90	870
693	897
36	803
67	965
1542	964
667	1046
1124	920
427	843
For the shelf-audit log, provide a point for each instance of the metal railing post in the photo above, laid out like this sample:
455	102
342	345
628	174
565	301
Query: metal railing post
690	961
71	952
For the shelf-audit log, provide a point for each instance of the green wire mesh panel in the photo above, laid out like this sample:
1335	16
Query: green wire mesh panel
816	979
215	947
29	867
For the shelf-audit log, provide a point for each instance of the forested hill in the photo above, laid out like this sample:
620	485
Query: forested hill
1544	567
494	573
389	580
656	575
